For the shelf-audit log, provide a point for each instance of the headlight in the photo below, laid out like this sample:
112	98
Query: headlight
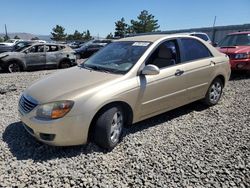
242	56
54	110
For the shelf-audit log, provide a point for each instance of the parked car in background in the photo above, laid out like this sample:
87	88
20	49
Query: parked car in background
129	80
75	44
201	35
10	42
38	56
17	47
90	47
237	47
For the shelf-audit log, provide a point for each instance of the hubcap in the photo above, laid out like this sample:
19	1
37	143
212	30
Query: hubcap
14	67
116	127
215	92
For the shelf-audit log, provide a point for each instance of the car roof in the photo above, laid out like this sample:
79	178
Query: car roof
38	43
152	38
239	32
148	38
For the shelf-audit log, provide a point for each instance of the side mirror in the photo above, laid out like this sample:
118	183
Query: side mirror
150	70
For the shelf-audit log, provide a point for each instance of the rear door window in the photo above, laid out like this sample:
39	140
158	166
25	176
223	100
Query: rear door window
51	48
36	49
193	49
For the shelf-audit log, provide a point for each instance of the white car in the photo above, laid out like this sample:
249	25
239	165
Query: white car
201	35
10	42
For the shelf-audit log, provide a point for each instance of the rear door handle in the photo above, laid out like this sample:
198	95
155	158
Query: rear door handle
179	72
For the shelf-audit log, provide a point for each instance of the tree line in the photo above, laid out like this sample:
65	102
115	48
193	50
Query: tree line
145	22
58	34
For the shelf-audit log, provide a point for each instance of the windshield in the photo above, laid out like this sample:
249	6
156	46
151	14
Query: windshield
20	46
85	44
235	40
117	57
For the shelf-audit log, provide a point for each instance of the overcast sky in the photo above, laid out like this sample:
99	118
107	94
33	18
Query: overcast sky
39	17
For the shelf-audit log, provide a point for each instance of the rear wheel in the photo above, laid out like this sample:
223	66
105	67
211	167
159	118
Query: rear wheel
108	127
214	92
13	66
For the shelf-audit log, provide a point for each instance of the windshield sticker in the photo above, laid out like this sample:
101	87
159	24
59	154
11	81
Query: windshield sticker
140	44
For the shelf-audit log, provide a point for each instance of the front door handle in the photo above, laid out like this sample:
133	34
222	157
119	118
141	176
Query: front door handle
179	72
212	63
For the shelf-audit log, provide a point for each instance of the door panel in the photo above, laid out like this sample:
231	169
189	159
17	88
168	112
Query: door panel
163	92
53	55
199	67
35	58
198	75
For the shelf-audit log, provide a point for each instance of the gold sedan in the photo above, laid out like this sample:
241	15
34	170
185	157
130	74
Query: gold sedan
127	81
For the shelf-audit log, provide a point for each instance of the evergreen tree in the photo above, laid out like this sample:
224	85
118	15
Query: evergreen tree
16	37
76	36
87	36
120	28
6	37
58	33
110	36
146	23
35	38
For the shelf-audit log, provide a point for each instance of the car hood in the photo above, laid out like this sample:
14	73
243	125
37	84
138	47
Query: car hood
234	49
5	54
68	84
81	49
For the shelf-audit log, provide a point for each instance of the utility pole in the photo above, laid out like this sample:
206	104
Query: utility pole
214	21
213	33
6	33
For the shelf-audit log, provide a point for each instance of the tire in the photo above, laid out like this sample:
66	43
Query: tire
214	92
13	66
65	64
108	127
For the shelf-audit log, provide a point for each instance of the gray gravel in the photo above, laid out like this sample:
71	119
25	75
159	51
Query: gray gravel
192	146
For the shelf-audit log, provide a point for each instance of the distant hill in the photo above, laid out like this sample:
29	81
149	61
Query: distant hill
27	36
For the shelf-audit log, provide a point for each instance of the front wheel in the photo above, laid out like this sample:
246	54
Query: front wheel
214	92
108	127
64	64
13	66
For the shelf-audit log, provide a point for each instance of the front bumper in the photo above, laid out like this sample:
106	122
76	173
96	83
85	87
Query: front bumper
66	131
240	64
73	62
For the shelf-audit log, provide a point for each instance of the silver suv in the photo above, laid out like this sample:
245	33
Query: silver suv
38	56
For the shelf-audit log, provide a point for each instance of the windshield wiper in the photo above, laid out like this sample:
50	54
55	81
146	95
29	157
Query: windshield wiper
85	67
98	68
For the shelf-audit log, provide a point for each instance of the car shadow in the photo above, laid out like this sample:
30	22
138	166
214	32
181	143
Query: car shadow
23	146
197	106
240	75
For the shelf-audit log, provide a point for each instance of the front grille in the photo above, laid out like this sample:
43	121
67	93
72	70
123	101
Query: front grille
27	104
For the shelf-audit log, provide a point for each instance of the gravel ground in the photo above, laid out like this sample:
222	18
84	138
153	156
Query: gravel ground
192	146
